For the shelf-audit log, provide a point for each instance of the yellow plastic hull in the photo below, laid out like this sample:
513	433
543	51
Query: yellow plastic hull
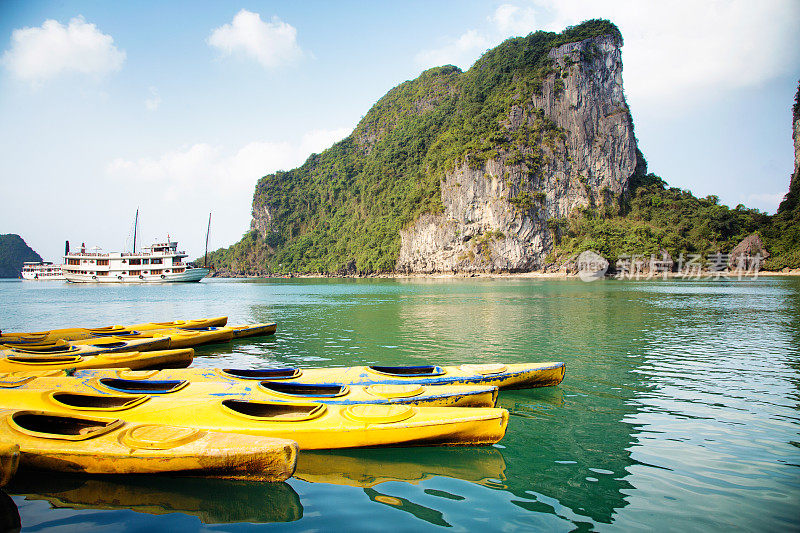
111	446
311	425
72	334
9	461
421	395
130	360
254	330
504	376
90	347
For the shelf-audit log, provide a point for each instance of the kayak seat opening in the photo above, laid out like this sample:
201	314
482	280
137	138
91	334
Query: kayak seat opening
51	425
118	344
125	333
44	360
305	389
53	348
282	412
143	386
422	370
92	401
262	373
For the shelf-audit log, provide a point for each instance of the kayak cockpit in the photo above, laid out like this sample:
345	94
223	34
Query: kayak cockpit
305	389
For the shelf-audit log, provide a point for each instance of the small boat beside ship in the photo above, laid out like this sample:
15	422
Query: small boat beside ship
42	271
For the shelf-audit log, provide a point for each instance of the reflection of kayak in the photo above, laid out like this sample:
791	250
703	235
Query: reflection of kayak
312	425
88	347
438	395
9	461
373	466
26	362
243	501
518	375
77	442
88	333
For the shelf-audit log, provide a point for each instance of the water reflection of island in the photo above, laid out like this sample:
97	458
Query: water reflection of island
213	501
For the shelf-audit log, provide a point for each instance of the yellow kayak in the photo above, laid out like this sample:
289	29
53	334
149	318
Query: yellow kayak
254	330
180	338
504	376
9	460
88	348
72	334
26	362
188	337
76	442
428	395
311	425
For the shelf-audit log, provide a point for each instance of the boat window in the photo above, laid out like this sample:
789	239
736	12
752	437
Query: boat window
136	261
156	261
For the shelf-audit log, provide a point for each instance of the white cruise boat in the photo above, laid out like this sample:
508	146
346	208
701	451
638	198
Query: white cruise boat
159	263
42	271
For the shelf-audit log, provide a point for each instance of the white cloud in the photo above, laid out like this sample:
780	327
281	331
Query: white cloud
270	43
460	52
153	101
676	50
203	167
511	20
41	53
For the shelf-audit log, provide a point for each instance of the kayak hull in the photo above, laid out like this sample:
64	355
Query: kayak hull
311	425
507	376
73	334
158	359
147	449
420	395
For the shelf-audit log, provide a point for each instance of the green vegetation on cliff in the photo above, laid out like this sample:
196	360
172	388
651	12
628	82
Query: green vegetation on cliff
655	217
14	252
343	210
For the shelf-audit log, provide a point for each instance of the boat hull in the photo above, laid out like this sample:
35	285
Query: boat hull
133	360
112	446
509	376
190	275
419	395
311	425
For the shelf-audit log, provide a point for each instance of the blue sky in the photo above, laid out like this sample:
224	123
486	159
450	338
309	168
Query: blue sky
179	107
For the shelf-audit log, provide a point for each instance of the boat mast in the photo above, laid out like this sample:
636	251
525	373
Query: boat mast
135	224
208	230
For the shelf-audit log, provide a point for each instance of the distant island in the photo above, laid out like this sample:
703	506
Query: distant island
516	165
13	252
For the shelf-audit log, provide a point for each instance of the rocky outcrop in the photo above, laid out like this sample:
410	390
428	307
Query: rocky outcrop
505	214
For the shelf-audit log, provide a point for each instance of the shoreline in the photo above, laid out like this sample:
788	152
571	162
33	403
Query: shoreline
703	276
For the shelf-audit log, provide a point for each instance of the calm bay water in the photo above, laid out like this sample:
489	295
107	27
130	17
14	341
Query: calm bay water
679	409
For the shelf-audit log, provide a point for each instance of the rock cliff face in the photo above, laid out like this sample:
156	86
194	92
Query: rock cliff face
504	214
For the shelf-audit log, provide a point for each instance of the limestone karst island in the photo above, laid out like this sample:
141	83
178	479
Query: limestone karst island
400	266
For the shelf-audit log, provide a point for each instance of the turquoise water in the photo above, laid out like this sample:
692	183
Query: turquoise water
679	410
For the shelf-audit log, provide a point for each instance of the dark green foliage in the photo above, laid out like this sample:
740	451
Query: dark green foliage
346	206
655	217
14	252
